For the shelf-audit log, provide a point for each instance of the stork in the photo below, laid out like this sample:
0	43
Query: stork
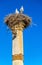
16	11
21	9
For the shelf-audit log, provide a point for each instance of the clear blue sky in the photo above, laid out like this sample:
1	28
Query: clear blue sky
32	35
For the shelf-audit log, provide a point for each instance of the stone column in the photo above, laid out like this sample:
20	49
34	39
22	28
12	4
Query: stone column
17	48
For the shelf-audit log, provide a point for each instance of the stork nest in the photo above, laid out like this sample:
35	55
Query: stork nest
14	19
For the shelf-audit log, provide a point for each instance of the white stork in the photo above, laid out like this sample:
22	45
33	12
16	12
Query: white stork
21	9
16	11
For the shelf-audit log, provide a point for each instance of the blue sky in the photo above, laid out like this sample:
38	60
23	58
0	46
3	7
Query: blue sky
32	35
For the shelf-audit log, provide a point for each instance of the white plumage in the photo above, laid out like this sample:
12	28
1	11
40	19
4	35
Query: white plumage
21	9
16	11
